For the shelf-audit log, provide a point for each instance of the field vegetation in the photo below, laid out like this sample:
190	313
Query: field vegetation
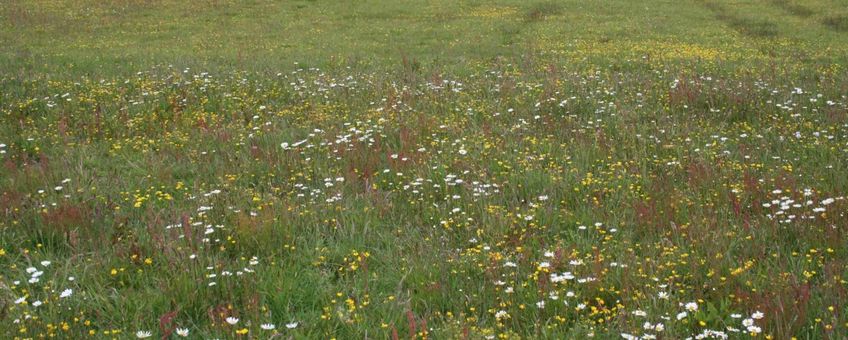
406	169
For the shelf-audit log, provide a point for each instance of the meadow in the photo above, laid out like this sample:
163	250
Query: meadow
221	169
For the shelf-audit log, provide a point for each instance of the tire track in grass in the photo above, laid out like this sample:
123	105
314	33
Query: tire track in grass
835	16
791	7
535	13
750	27
834	22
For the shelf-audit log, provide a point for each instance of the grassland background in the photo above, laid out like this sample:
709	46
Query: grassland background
644	147
109	36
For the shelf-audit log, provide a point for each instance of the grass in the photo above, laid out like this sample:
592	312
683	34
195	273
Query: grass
376	169
793	7
836	22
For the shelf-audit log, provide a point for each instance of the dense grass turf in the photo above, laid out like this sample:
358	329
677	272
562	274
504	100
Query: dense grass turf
128	35
410	169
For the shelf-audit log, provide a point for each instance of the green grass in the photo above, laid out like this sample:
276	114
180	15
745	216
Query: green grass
408	169
124	36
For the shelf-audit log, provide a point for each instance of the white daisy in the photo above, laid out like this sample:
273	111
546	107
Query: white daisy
691	306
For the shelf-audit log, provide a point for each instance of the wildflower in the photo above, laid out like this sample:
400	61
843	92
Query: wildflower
267	326
560	278
66	293
757	315
183	332
682	315
231	320
143	334
691	306
291	325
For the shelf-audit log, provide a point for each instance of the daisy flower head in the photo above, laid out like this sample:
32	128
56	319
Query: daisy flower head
691	306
